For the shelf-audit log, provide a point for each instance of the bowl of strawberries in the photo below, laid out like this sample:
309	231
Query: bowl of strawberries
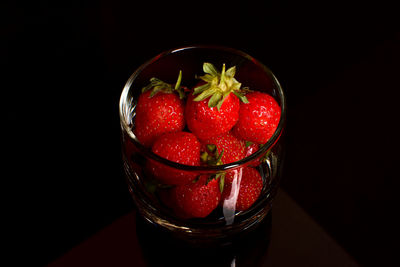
201	141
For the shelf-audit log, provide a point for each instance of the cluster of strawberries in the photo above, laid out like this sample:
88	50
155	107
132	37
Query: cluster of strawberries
216	122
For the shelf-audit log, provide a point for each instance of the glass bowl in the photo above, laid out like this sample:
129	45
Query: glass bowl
222	224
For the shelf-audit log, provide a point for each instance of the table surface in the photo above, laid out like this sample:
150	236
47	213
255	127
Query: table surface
292	238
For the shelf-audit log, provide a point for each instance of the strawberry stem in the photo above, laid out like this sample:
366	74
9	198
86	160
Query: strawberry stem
222	80
204	157
178	82
211	147
221	177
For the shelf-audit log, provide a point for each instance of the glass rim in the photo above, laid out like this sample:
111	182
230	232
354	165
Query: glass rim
224	167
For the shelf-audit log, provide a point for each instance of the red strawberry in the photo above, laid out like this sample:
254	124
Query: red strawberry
198	199
251	148
180	147
213	107
258	119
159	110
250	187
232	149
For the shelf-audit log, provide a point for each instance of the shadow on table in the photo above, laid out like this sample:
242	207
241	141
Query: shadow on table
160	249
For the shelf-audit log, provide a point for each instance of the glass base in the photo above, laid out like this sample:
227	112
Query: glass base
162	248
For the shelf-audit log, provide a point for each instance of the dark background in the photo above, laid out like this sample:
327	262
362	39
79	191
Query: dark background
65	65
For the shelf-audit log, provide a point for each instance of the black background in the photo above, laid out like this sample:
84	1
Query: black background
65	65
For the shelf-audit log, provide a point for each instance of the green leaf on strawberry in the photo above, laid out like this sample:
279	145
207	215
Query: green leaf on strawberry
214	159
218	86
221	177
223	149
159	110
156	85
210	69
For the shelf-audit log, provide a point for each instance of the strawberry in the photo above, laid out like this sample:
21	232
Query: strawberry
251	148
258	119
159	110
250	187
198	199
180	147
213	107
231	148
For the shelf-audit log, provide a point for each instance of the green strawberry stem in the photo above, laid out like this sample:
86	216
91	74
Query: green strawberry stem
218	86
221	177
211	147
157	85
222	80
178	87
178	82
214	160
